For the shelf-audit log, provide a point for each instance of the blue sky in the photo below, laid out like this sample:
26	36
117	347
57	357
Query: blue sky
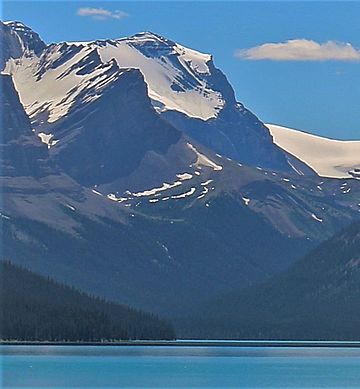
320	95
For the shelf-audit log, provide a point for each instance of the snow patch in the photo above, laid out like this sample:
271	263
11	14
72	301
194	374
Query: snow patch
203	160
184	176
47	139
113	197
318	219
203	193
183	195
246	200
153	191
3	216
298	171
328	157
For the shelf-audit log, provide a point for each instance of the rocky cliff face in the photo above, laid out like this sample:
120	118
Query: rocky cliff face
21	153
235	133
18	40
106	140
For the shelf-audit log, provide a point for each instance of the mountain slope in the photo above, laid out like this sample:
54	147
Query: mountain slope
317	298
164	241
328	157
129	248
55	312
32	185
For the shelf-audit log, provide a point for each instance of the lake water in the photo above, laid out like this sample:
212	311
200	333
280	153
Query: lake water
178	367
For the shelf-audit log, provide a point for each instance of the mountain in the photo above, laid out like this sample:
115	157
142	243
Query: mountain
32	185
327	157
56	312
18	40
163	247
88	127
112	198
317	298
184	86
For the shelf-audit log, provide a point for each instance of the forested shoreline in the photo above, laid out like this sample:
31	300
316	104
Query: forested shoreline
36	308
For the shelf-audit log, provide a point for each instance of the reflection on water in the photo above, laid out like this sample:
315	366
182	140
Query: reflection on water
183	351
179	367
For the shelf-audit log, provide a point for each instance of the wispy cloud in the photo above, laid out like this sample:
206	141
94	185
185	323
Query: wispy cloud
101	13
301	50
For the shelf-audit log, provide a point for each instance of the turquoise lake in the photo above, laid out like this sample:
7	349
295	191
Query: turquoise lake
178	367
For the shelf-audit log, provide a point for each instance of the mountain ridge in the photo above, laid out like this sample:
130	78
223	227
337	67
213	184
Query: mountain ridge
129	206
315	299
182	84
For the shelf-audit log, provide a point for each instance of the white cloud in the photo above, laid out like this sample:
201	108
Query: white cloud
101	13
301	50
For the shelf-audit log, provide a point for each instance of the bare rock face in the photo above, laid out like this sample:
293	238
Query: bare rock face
21	152
110	137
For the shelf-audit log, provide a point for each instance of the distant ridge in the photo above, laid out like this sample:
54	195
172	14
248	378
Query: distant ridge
317	298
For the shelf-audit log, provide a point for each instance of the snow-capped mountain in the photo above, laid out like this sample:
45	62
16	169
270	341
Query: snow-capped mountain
213	225
33	188
184	86
328	157
104	189
178	78
17	40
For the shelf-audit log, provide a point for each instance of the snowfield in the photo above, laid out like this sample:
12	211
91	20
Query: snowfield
328	157
178	78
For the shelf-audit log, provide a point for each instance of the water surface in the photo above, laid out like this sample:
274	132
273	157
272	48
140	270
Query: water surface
178	367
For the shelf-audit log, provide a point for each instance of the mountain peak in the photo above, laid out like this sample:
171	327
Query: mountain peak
16	24
24	36
13	22
149	35
158	41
